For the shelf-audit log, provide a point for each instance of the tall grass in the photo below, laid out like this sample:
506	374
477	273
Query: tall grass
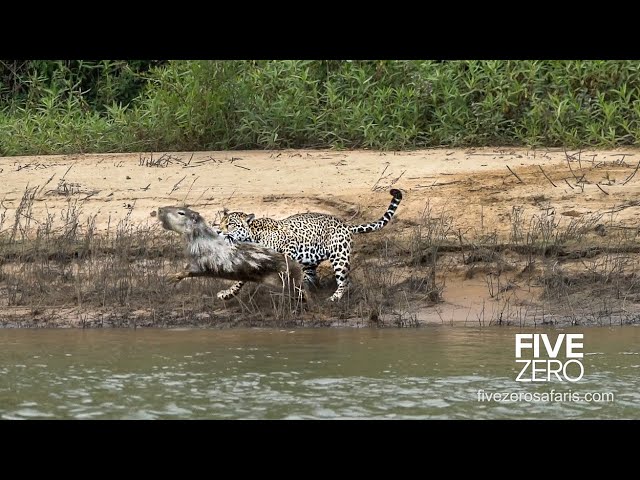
189	105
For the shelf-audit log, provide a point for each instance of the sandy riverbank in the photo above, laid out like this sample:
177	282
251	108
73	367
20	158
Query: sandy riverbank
518	235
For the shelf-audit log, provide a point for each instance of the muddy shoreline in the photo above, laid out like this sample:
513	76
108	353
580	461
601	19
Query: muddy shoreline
482	237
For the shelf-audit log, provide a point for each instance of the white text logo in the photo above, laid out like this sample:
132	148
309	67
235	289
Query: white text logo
545	364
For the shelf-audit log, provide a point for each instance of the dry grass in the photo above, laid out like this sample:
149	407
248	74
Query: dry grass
58	270
118	278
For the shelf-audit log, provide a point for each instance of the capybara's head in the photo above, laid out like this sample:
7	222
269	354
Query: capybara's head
178	219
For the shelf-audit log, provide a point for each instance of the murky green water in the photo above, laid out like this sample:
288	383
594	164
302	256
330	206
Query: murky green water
425	373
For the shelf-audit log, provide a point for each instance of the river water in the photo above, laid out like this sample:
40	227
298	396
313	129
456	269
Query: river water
433	372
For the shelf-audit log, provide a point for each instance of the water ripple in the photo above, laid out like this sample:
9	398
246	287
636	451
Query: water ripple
297	377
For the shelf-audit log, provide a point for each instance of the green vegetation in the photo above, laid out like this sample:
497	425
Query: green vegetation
105	106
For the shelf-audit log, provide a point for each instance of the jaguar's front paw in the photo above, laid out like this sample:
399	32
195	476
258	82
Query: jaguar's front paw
225	294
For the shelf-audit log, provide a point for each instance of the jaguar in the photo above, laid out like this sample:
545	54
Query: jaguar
309	238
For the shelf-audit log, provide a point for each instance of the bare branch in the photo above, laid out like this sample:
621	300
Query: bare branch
515	174
546	176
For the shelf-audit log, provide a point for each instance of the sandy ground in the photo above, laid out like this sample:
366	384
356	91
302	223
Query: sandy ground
473	183
478	187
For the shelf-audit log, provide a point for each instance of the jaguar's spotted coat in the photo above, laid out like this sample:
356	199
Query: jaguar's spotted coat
309	238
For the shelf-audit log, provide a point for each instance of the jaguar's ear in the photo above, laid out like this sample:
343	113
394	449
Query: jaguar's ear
250	218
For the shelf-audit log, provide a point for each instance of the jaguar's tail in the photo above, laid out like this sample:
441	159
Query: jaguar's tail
373	226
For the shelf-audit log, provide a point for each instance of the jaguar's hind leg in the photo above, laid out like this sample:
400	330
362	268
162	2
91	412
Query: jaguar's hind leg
341	269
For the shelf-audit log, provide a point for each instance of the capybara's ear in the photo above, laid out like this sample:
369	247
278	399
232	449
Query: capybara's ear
250	218
225	211
194	216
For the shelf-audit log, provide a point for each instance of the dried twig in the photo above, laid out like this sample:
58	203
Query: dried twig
568	184
177	185
47	183
91	194
546	176
189	191
240	166
621	161
379	178
632	175
622	207
579	155
514	174
395	180
201	195
569	163
606	193
65	173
